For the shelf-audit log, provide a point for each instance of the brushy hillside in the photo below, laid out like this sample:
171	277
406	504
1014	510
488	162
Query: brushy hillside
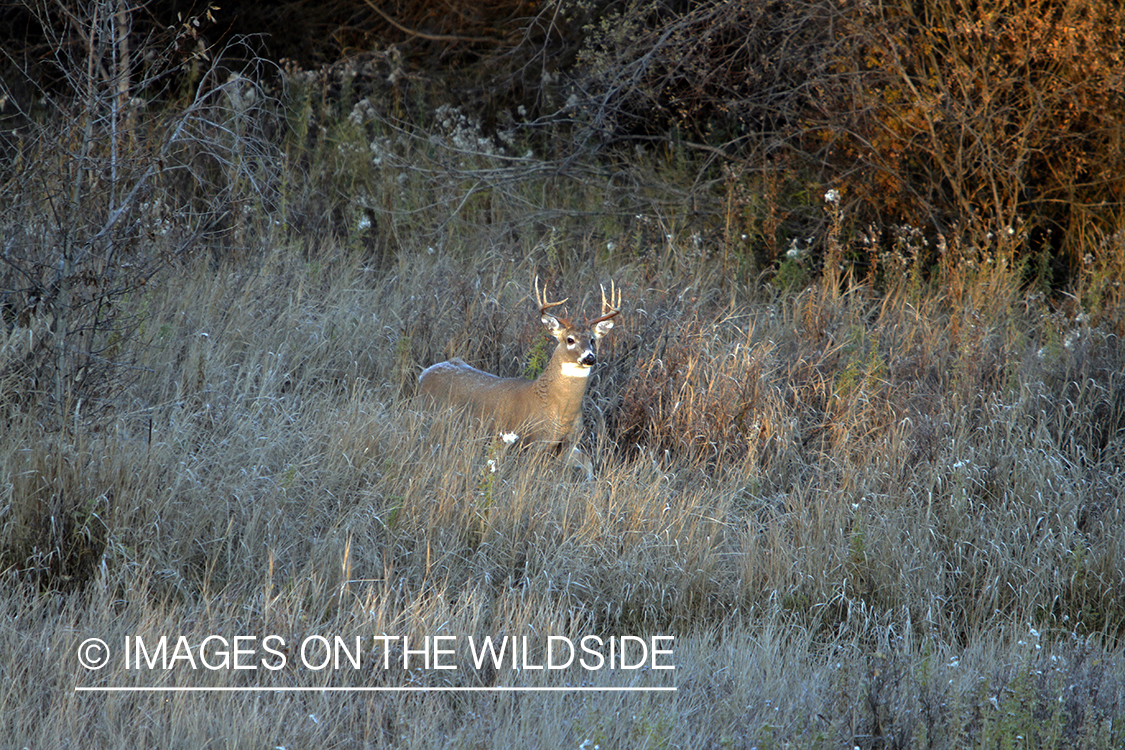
871	487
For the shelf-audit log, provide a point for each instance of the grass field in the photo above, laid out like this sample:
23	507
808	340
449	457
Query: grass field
874	512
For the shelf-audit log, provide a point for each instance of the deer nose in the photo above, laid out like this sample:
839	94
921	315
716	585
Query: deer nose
588	359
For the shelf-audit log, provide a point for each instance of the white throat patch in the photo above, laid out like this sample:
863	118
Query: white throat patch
575	370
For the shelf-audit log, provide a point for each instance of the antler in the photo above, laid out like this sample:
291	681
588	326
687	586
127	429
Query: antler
541	298
610	307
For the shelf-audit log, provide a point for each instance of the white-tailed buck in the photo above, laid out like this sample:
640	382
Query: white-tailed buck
545	411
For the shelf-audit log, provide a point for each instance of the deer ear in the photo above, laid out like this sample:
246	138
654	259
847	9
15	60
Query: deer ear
553	325
601	329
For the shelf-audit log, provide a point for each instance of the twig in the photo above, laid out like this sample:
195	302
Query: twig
431	37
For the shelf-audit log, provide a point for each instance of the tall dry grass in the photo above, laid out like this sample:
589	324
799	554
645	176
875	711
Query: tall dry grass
858	530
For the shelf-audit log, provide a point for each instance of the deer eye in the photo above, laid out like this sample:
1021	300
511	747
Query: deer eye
570	339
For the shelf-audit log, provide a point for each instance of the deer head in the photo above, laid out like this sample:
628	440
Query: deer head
575	353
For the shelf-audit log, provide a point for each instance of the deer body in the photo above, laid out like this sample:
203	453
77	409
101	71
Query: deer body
546	411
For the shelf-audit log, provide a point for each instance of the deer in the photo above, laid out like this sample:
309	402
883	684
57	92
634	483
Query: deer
546	411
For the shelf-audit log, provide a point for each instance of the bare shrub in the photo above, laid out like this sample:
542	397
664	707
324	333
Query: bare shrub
728	74
1001	119
105	192
996	127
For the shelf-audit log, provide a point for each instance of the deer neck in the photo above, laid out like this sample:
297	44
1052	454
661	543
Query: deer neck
563	384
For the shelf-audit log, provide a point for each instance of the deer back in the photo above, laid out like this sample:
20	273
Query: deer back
512	404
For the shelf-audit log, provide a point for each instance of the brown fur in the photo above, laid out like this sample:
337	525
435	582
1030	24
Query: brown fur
546	411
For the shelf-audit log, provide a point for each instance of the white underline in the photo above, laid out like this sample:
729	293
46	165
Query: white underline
81	689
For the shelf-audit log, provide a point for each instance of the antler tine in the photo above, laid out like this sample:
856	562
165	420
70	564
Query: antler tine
610	307
541	298
614	298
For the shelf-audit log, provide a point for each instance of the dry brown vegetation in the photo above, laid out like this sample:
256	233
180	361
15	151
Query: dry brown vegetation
872	487
870	552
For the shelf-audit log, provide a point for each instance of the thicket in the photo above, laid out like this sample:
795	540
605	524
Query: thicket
995	128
